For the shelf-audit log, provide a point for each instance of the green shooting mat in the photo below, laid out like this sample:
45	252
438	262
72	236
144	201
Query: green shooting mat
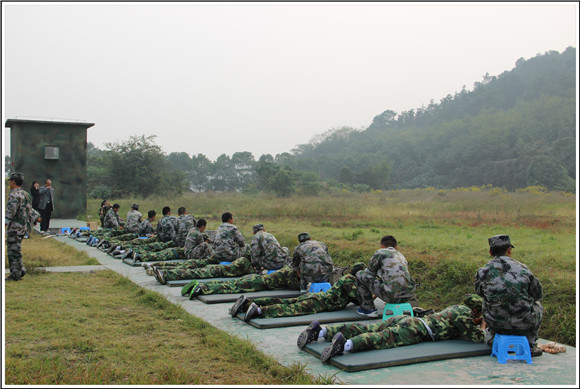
347	314
231	297
185	282
405	355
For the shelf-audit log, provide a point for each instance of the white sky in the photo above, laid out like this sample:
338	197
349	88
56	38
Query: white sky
217	78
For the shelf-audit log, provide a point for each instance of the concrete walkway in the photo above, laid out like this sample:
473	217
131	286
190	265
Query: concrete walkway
280	343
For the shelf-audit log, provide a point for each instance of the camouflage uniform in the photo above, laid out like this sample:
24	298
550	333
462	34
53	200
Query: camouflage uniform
19	218
134	219
401	330
112	220
387	277
103	212
313	261
105	233
284	278
336	298
166	228
265	252
151	247
183	225
511	297
189	264
196	247
239	267
229	243
162	255
145	228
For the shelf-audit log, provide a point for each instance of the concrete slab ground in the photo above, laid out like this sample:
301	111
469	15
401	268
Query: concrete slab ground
280	343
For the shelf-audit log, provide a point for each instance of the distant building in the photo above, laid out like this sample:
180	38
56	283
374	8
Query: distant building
53	150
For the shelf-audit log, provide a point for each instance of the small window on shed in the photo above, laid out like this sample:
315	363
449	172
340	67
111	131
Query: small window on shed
51	152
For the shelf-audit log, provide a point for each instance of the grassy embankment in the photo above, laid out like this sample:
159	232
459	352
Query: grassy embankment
99	328
443	234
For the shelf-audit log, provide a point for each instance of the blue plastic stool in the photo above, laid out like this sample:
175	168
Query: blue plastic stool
65	229
316	287
511	347
225	263
84	229
397	309
142	237
271	271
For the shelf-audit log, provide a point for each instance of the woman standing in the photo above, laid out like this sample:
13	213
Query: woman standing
105	207
35	193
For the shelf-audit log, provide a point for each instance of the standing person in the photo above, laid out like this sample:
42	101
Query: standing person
19	218
386	277
105	208
134	219
311	260
35	193
46	204
511	294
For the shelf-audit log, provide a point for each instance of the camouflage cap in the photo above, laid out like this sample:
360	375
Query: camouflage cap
16	176
303	237
135	206
473	301
499	241
257	227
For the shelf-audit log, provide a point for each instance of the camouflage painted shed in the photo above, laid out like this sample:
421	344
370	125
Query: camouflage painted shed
53	150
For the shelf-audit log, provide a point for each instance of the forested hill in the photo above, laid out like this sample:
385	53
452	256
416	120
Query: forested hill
514	130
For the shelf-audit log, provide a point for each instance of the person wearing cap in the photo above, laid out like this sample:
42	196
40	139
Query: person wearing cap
229	243
511	294
401	330
183	224
265	251
386	277
18	220
311	260
134	219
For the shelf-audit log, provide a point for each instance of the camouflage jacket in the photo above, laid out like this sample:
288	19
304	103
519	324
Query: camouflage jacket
134	218
193	243
112	219
19	216
167	228
145	228
510	292
227	239
313	261
266	252
454	321
103	212
183	225
390	266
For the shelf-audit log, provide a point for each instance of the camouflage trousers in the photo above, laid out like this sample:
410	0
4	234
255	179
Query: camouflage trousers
201	251
190	264
239	267
238	252
104	233
123	238
336	298
397	331
369	285
151	247
14	252
532	321
163	255
284	278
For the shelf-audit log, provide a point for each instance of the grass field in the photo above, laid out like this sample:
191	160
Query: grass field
443	234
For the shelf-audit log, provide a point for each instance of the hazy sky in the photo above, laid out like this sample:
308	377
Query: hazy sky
217	78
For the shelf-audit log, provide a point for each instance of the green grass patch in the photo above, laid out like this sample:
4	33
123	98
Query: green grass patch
102	328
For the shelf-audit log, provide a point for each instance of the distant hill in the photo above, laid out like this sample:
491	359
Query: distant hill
513	130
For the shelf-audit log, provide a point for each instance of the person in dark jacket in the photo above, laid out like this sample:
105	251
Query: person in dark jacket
35	193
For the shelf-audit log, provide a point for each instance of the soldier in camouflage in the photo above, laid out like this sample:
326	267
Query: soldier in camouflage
312	260
401	330
511	294
134	218
342	293
386	276
167	226
284	278
19	219
146	228
237	268
229	242
197	243
184	223
265	251
112	219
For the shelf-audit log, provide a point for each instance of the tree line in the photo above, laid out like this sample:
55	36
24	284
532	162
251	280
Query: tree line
514	130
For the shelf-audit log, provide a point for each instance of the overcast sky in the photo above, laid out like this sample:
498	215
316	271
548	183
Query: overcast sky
217	78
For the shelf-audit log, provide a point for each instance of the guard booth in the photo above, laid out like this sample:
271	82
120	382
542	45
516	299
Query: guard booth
52	150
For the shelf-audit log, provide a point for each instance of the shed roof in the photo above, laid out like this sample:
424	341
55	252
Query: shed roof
10	122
